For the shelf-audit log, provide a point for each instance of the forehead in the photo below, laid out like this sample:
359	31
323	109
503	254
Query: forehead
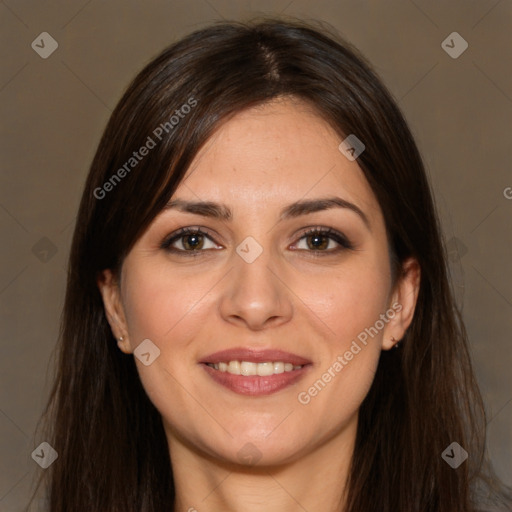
274	154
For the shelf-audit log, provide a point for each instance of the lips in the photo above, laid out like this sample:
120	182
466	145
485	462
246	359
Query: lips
255	356
250	384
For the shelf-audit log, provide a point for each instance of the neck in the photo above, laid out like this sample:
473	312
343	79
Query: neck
315	481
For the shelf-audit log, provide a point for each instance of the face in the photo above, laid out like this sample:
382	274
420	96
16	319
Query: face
275	285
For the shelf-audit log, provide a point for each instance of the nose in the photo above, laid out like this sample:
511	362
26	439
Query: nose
256	295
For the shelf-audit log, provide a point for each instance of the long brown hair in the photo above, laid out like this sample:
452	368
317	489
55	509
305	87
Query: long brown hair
113	453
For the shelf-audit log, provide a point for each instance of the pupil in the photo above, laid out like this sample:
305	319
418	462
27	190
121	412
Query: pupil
195	243
318	241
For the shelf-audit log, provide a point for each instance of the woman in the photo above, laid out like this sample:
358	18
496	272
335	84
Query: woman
258	315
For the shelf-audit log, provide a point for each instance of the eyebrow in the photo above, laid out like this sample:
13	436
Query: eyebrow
303	207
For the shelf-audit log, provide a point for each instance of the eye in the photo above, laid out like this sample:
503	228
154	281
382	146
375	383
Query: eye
323	240
192	241
189	240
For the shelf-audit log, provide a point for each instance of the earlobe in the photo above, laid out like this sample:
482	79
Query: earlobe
110	293
124	345
403	302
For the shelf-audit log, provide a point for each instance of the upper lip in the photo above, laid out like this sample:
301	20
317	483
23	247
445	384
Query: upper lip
254	356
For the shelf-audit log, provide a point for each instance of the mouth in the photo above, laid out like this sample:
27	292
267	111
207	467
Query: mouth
250	372
249	368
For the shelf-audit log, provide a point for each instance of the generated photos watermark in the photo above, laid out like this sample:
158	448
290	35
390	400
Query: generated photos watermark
304	397
151	142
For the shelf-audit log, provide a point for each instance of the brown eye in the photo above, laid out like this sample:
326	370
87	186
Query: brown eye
317	242
188	241
322	240
192	242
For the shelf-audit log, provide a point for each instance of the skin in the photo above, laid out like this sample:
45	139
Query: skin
256	163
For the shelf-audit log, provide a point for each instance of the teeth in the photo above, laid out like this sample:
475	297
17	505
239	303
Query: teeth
248	368
278	367
233	367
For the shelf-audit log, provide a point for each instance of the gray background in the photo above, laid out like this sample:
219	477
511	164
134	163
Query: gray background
53	112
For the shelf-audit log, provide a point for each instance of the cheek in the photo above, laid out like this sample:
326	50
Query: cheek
157	302
169	309
349	300
163	307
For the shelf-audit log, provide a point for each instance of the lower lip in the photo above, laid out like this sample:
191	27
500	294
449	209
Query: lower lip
255	385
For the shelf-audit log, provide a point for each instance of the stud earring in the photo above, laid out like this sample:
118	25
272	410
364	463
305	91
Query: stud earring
120	338
396	344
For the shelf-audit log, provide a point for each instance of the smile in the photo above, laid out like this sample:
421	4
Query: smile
248	371
249	368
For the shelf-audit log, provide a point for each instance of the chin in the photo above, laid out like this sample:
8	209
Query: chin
259	451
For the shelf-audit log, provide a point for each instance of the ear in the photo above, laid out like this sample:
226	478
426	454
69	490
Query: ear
402	303
111	294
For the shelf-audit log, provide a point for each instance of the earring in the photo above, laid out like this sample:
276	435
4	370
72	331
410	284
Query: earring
396	344
120	338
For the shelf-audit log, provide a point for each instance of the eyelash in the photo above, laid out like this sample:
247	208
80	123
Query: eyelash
330	233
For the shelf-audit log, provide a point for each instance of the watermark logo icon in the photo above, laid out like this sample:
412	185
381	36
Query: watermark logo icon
44	250
456	249
249	454
351	147
249	249
45	455
146	352
454	455
454	45
44	45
